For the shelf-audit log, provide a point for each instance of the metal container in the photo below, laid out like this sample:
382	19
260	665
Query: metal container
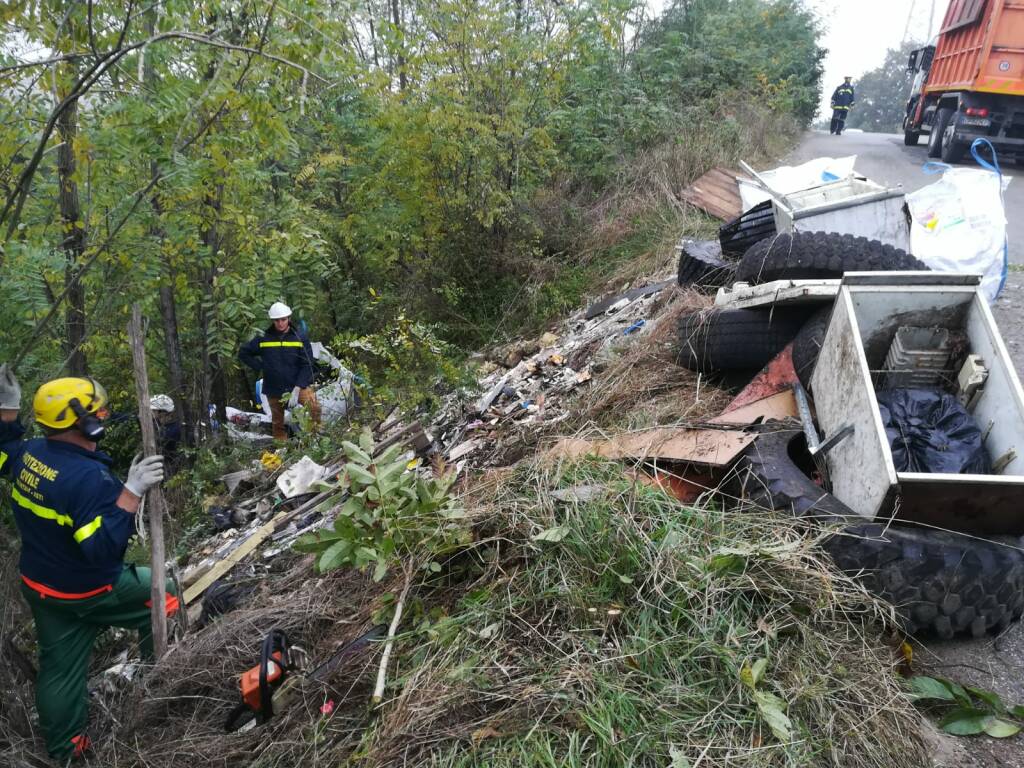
868	311
851	206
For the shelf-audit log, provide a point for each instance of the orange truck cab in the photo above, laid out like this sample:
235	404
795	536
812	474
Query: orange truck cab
970	82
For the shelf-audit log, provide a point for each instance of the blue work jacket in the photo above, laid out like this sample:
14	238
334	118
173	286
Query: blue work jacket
286	360
843	97
73	534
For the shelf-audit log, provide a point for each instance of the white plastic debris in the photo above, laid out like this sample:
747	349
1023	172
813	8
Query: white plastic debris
300	477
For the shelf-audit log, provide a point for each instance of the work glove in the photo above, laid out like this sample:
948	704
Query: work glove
10	389
144	474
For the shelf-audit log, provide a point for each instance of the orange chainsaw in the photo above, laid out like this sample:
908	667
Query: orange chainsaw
264	687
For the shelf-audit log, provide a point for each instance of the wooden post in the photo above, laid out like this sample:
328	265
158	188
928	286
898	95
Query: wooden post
156	495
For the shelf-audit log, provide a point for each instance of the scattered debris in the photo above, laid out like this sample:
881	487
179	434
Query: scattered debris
300	477
616	302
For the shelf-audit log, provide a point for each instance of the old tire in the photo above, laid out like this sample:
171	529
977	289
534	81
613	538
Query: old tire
953	151
939	582
910	137
701	265
819	255
807	344
735	339
942	118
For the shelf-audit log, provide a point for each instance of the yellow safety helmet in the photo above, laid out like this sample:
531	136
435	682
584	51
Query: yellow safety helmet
60	403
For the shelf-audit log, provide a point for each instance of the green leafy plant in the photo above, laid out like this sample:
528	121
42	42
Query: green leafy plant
386	511
968	711
771	708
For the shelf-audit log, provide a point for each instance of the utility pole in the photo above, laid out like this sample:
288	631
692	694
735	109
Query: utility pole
931	22
910	18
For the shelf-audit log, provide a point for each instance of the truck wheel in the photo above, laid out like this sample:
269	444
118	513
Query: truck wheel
938	128
953	151
939	582
819	255
910	138
807	345
736	339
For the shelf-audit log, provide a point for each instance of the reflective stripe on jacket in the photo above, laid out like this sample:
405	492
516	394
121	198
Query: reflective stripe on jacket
73	534
843	97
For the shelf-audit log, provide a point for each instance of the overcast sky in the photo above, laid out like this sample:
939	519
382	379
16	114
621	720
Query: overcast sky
859	32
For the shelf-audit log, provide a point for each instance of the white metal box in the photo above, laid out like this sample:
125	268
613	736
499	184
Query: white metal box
850	206
867	312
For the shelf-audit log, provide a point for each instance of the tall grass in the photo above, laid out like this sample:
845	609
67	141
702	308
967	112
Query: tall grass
620	631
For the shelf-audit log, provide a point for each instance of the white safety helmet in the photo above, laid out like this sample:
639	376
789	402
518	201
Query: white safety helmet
278	310
161	403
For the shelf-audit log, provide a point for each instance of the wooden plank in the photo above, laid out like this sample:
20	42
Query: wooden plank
716	193
234	557
711	447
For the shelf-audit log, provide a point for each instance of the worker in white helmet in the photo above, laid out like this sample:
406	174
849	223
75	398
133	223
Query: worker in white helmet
168	428
284	355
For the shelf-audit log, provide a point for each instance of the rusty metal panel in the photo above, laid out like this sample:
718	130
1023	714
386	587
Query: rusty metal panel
980	504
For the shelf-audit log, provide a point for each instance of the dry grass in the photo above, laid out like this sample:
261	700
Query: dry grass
643	386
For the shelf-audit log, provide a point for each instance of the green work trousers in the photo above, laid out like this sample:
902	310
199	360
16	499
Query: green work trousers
66	630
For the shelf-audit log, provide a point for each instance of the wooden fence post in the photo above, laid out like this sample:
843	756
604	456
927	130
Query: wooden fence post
155	495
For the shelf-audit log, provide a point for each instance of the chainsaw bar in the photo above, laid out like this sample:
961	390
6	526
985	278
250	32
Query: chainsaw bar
320	673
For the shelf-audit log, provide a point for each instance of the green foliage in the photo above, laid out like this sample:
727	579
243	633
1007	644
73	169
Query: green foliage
967	711
606	631
386	511
430	175
882	93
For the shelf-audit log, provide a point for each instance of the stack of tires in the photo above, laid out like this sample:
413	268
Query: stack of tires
939	582
747	339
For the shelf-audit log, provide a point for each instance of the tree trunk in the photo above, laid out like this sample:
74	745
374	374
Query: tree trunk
396	19
73	243
213	384
168	301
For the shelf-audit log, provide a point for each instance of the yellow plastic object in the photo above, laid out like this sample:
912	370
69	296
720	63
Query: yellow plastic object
52	403
270	461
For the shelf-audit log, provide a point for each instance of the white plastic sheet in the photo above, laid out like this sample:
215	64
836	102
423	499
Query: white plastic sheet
788	179
959	225
300	477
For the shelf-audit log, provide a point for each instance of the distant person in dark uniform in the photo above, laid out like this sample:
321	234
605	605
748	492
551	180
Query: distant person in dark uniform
842	102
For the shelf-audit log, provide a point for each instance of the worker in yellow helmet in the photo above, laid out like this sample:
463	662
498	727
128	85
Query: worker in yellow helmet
75	519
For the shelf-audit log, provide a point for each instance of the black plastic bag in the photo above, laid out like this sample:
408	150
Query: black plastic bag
930	431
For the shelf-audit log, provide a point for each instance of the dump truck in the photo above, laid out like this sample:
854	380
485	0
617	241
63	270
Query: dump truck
969	83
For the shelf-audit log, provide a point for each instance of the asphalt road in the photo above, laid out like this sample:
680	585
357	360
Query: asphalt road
883	158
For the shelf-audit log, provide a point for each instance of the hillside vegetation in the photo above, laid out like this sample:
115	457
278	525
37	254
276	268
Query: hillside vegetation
414	178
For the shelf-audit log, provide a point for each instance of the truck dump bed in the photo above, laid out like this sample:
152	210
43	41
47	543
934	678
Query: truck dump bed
980	48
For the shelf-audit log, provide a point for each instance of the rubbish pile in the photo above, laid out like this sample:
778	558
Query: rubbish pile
524	385
910	413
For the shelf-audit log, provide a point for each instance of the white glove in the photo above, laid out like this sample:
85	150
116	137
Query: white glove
10	389
144	474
